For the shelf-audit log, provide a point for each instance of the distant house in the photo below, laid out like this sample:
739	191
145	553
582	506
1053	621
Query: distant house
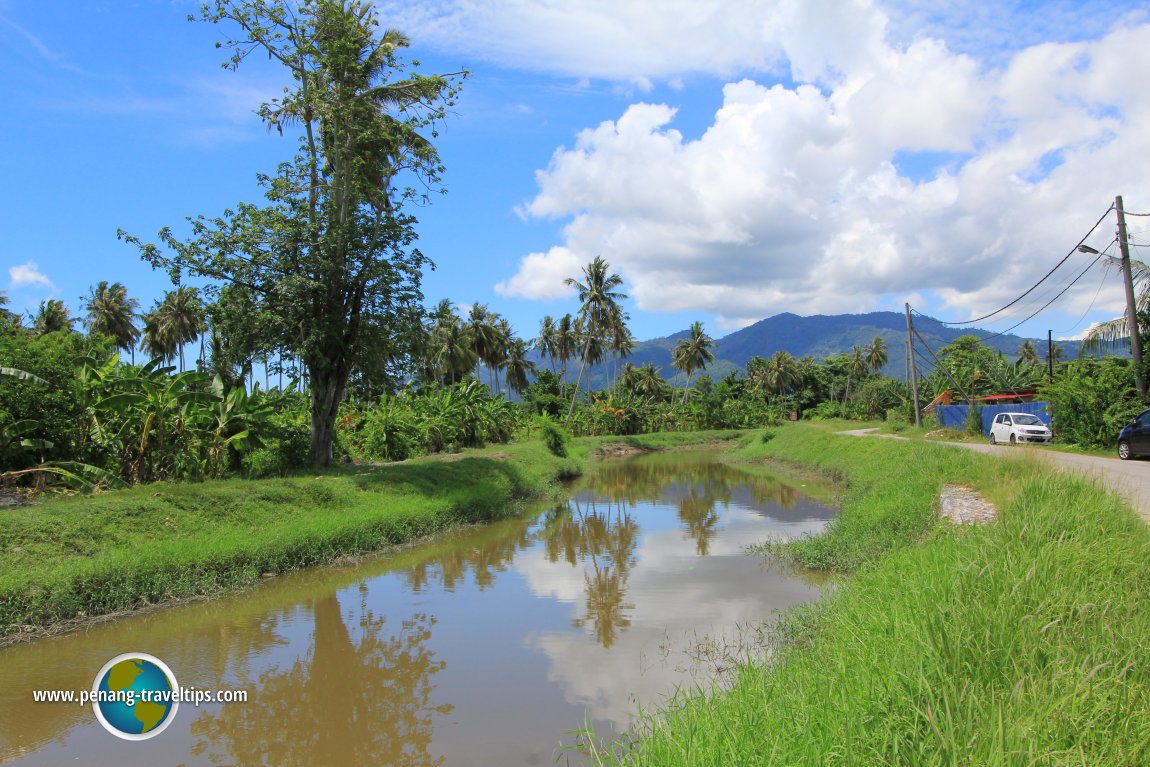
1002	398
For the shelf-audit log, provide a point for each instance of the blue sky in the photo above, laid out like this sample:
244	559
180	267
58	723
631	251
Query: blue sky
732	160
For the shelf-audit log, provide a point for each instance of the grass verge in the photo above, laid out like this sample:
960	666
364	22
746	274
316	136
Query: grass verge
1021	643
86	556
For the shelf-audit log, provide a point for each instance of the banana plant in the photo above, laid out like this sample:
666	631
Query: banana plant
158	415
236	422
22	375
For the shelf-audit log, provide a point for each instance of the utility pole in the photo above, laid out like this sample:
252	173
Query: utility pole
940	364
1049	356
1131	310
913	368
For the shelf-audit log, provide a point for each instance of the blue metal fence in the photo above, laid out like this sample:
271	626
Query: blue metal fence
954	416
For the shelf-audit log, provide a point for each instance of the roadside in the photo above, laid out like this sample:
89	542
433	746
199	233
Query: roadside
1004	644
1129	479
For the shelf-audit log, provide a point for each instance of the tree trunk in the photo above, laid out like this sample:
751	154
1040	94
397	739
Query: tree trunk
326	393
575	394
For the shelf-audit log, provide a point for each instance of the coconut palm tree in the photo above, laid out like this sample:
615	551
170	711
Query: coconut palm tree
875	354
649	382
599	302
566	343
52	317
452	349
546	343
856	368
181	316
627	377
622	343
112	313
1028	354
485	342
518	367
156	339
593	350
1115	334
782	372
693	353
504	335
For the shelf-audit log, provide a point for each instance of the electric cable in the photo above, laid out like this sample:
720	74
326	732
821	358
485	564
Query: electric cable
1097	293
1051	289
1035	285
1048	303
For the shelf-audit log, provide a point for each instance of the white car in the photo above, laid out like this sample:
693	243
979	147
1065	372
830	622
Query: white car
1019	427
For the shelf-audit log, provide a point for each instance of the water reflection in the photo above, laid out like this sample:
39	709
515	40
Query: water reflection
352	702
606	538
482	647
491	550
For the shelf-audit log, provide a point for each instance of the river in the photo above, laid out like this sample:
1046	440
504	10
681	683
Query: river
486	646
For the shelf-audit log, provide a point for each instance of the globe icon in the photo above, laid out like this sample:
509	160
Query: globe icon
135	696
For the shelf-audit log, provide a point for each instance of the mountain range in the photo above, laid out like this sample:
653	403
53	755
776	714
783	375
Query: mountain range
819	336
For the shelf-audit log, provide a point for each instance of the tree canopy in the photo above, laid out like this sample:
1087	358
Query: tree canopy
328	257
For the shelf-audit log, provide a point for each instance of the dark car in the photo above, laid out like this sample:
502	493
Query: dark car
1134	439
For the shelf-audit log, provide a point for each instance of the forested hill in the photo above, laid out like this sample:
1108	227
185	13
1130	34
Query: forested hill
821	336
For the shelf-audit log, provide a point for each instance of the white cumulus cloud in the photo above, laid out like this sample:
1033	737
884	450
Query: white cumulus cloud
28	273
893	169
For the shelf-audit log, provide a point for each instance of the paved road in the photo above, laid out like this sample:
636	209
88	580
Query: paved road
1130	479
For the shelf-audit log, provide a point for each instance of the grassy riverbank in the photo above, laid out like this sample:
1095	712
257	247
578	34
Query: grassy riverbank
69	559
1020	643
85	556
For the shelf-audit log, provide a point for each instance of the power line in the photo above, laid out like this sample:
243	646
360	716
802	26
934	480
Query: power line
1097	293
1048	303
1038	298
1044	278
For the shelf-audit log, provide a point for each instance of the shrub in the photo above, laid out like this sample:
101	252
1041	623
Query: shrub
554	436
1092	401
286	444
388	432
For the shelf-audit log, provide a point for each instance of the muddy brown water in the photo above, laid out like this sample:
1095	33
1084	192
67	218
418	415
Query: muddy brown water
487	646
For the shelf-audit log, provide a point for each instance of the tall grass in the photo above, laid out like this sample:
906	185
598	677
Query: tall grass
892	494
1021	643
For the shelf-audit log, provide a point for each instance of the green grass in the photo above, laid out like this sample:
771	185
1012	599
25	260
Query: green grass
1020	643
892	490
87	556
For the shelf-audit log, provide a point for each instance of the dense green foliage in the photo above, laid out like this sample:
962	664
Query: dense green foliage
107	419
142	423
47	413
430	420
1092	400
1019	643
